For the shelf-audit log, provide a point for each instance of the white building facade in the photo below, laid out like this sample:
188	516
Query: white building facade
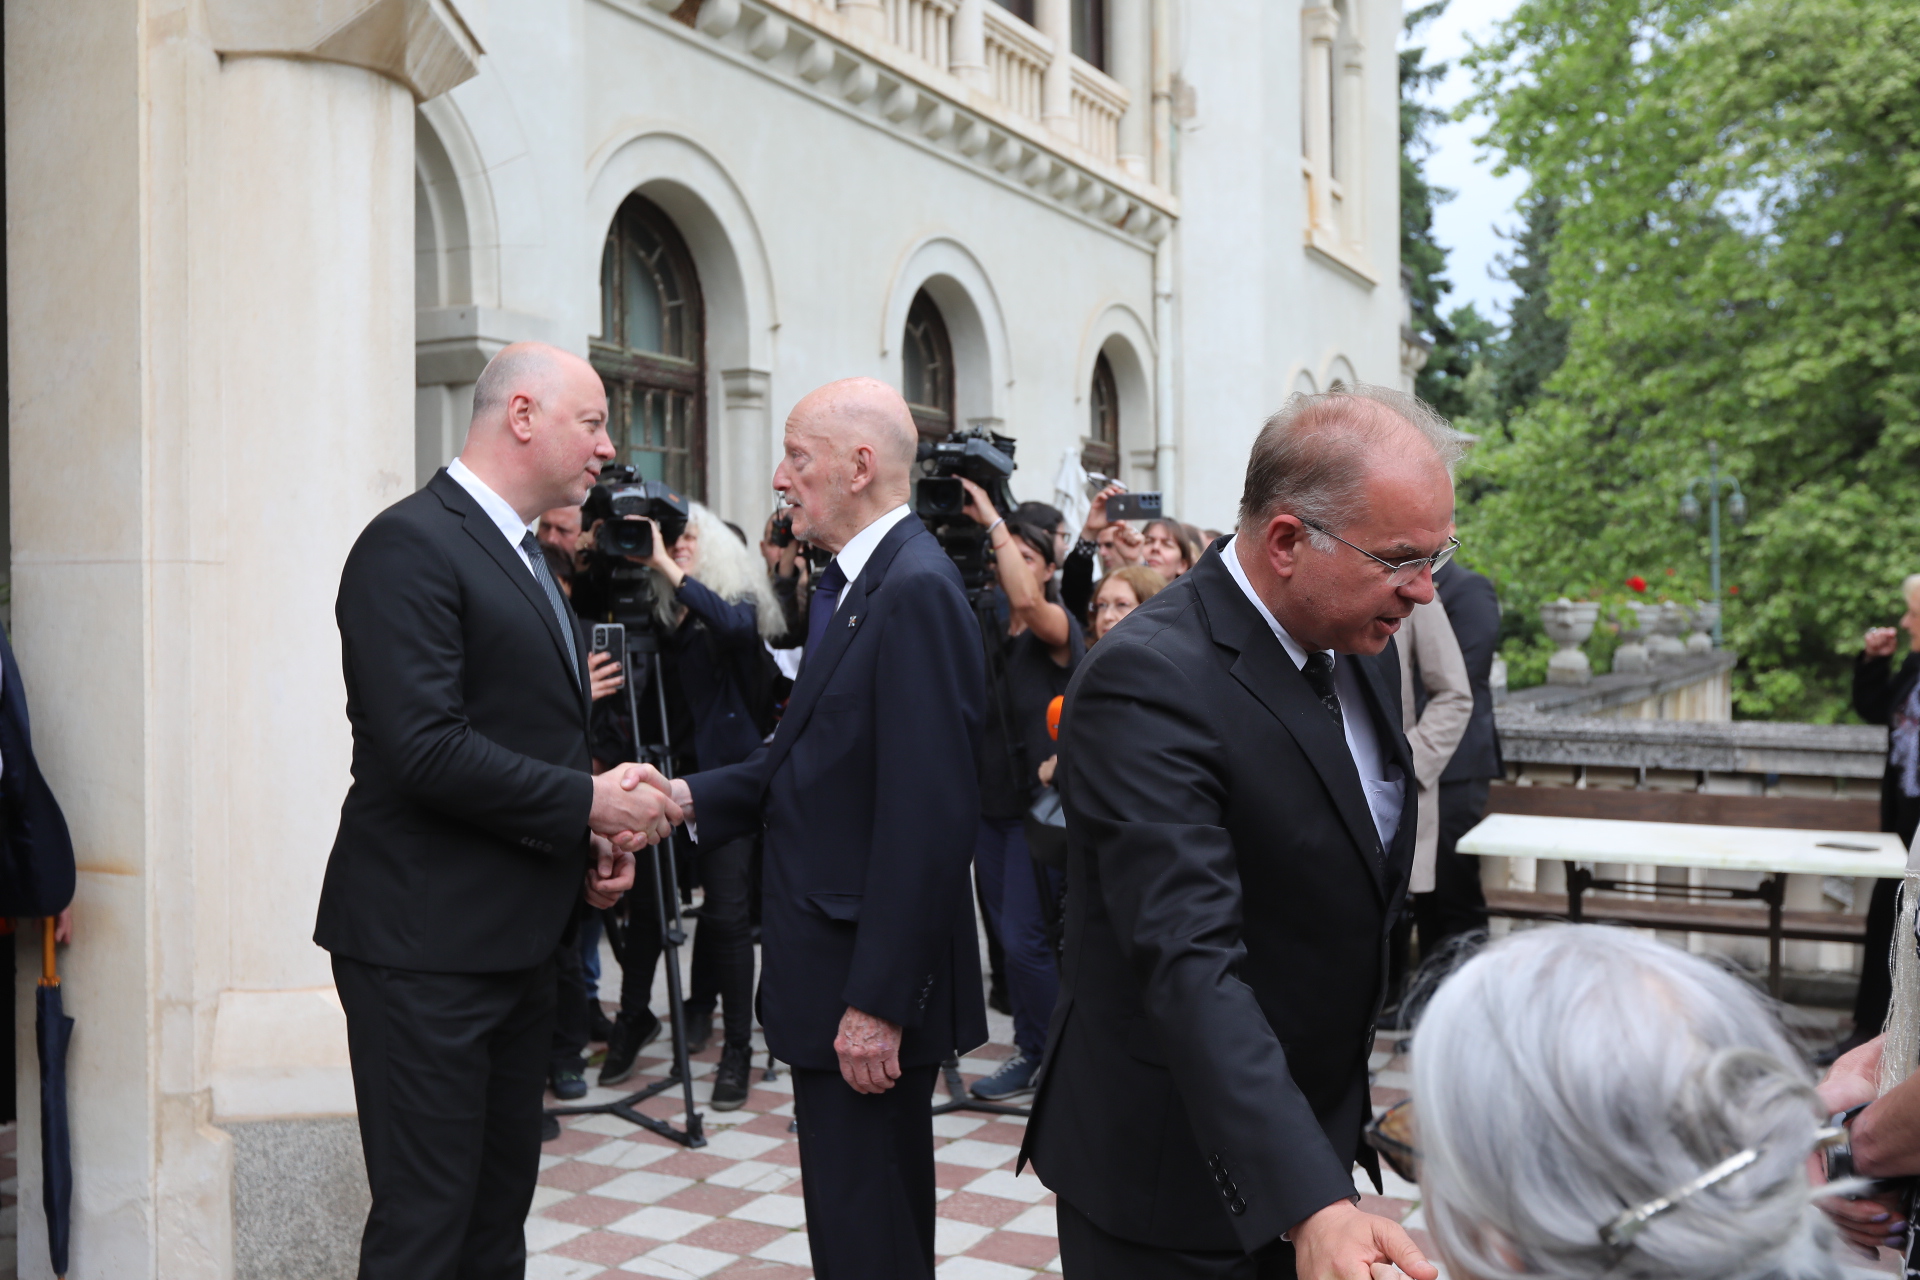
257	252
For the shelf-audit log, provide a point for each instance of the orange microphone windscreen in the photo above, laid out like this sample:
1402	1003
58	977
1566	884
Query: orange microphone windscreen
1053	718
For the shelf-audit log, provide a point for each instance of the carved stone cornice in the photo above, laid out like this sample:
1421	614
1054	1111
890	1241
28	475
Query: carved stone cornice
424	44
820	54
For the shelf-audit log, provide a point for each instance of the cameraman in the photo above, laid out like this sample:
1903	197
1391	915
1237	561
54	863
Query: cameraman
790	572
1030	657
713	604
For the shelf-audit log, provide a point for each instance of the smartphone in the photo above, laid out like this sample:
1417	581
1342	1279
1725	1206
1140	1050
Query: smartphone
1133	506
610	637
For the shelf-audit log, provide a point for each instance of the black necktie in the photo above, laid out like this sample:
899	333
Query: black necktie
561	614
826	598
1319	673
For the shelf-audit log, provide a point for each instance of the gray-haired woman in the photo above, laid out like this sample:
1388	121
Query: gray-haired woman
1591	1103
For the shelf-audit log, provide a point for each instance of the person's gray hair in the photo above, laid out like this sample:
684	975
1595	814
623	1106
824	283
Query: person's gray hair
1311	459
727	567
1567	1073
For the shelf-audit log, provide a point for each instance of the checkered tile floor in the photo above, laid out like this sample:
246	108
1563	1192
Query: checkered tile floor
615	1200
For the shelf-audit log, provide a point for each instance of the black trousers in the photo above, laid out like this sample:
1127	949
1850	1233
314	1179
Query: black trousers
723	940
1088	1253
866	1173
573	989
448	1071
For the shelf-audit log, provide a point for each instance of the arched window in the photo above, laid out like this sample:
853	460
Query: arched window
1102	452
927	373
651	349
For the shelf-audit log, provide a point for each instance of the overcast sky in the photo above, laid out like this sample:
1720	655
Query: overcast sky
1468	225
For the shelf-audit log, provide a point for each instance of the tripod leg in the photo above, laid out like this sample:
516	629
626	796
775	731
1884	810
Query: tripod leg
666	879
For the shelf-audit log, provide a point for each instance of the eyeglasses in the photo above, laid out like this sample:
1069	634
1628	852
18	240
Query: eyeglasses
1399	575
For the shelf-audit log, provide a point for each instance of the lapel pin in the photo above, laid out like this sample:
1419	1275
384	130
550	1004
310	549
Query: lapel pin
853	620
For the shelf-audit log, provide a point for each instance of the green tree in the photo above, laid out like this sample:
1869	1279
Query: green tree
1535	343
1462	337
1735	253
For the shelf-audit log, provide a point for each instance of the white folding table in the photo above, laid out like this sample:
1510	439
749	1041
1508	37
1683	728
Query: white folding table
1776	852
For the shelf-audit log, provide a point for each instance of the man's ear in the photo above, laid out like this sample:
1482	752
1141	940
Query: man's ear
520	410
1282	540
862	468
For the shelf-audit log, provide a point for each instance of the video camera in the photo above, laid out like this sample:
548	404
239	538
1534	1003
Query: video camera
618	509
984	457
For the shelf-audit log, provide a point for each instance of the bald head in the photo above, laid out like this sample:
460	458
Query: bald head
849	455
538	436
1314	457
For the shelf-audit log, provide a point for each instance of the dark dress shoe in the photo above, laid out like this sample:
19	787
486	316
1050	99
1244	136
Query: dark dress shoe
549	1128
730	1081
569	1083
631	1033
599	1026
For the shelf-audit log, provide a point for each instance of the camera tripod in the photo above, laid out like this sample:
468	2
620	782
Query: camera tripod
640	642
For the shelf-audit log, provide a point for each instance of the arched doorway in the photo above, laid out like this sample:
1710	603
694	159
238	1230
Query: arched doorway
927	367
651	348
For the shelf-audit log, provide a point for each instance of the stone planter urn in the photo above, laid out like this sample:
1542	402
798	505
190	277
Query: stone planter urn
1704	616
1635	618
1665	643
1568	624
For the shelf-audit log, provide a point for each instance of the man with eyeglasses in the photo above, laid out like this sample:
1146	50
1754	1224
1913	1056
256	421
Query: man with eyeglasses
1227	928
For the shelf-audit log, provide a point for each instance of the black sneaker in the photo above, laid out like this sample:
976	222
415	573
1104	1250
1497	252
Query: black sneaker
730	1081
699	1024
1014	1079
569	1082
629	1036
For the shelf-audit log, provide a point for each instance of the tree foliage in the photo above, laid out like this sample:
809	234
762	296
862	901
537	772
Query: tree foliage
1732	200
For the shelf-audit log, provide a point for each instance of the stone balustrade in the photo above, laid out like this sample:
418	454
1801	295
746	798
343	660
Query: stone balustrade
1019	64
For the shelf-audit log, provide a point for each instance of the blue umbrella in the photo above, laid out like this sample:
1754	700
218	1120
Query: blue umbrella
53	1028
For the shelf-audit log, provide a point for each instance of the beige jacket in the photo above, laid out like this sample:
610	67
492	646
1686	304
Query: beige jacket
1427	645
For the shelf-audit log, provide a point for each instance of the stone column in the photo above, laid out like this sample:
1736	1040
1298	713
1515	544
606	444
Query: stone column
1128	50
970	45
1054	18
1349	55
210	228
1320	26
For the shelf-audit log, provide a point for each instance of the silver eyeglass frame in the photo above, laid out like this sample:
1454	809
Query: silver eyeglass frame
1399	575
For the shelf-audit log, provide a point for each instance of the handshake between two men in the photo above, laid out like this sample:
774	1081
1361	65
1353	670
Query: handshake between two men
626	817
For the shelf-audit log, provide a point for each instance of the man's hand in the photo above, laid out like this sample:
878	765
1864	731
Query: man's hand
1854	1078
675	789
1879	642
869	1050
629	814
603	674
1342	1243
610	875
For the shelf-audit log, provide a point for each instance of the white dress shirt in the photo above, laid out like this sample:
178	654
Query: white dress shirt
1380	778
860	547
498	510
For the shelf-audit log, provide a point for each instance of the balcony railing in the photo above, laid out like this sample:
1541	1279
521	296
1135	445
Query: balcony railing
1017	62
1011	62
923	28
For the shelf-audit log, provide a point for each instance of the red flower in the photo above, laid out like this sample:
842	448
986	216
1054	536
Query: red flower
1637	582
1733	591
1670	573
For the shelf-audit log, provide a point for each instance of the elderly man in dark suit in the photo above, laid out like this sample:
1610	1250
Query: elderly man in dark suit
473	824
868	797
1228	909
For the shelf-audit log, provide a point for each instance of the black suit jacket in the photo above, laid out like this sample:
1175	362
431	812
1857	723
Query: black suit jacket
1228	908
869	801
36	852
1878	691
1474	610
463	839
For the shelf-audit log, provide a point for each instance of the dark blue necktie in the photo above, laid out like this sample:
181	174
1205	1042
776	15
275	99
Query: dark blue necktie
562	613
826	598
1318	669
